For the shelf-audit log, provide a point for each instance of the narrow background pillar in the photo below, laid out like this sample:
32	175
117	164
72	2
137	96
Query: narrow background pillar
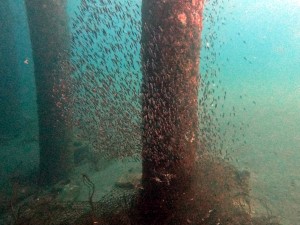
50	39
10	118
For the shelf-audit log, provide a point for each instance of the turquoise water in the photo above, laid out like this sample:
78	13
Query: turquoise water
260	70
257	46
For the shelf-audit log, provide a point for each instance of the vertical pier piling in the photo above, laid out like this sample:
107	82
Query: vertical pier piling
50	41
171	31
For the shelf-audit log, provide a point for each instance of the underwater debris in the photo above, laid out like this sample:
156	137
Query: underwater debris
130	181
91	186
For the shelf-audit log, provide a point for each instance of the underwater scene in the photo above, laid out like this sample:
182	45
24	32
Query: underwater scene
149	112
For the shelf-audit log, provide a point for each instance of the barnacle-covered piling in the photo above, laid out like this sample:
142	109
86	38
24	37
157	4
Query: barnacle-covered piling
170	57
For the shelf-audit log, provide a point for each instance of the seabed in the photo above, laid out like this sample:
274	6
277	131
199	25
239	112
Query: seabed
220	195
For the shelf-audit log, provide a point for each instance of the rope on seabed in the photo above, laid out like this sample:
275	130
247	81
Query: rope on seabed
91	186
